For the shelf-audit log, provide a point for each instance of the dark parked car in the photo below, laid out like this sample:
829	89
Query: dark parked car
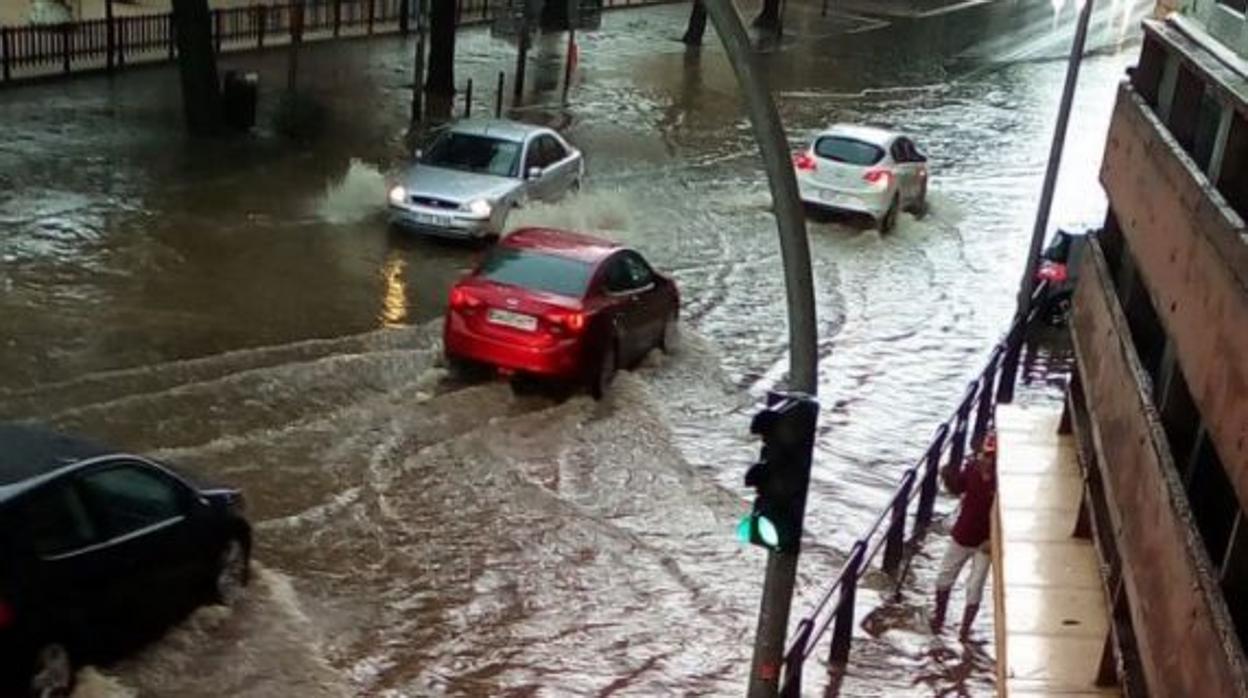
98	548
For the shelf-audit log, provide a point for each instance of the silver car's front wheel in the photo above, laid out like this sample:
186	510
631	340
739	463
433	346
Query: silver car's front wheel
52	675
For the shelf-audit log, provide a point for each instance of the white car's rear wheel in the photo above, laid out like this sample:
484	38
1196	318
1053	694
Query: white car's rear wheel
889	220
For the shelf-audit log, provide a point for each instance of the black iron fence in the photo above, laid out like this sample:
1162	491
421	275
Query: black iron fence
40	50
964	429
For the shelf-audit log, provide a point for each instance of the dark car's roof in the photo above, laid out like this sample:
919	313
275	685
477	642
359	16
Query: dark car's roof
562	243
27	452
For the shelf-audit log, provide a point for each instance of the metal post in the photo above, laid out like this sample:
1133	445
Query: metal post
895	538
522	58
172	38
6	47
468	100
216	28
987	403
112	34
372	15
1010	368
927	490
262	19
65	45
957	447
823	11
498	96
792	686
337	17
843	629
418	66
405	9
781	575
567	63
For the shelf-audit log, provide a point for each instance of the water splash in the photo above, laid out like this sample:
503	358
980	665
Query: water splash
602	210
359	194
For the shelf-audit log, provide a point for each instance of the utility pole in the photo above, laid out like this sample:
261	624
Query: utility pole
773	616
1009	367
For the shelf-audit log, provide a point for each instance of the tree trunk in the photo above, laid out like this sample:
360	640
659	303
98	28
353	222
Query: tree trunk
441	80
769	18
697	25
197	64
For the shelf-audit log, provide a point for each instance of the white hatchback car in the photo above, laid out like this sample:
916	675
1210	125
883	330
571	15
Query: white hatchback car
859	169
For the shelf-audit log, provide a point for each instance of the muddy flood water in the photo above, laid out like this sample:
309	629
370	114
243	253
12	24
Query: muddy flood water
241	309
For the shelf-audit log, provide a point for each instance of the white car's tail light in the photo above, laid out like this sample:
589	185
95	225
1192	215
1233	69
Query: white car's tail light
804	162
880	179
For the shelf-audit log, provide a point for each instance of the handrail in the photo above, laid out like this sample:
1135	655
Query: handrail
949	439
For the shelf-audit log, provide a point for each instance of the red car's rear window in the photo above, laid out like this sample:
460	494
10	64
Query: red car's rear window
541	272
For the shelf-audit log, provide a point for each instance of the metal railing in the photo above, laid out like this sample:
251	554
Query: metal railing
965	428
32	51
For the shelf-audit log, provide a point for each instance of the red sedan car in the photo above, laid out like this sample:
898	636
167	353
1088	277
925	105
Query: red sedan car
560	305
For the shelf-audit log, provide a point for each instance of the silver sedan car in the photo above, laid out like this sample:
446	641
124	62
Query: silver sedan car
470	177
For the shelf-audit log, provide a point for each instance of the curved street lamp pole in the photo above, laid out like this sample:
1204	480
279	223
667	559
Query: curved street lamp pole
773	615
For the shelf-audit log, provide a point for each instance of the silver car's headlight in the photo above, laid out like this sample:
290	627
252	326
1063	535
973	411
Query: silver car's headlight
479	207
398	195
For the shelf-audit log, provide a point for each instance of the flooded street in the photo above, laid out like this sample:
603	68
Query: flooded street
241	309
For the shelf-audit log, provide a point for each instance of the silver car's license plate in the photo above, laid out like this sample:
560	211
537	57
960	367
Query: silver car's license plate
430	219
519	321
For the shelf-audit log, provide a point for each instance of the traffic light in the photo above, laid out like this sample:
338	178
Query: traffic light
782	473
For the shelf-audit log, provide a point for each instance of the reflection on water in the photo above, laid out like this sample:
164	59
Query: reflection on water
394	298
220	306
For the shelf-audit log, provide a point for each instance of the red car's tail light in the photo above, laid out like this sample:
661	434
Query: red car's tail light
1052	272
878	177
804	162
463	300
573	321
7	614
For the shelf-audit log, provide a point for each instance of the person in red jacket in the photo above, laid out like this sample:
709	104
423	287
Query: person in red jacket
976	482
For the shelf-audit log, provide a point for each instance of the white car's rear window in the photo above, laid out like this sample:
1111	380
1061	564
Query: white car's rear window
848	150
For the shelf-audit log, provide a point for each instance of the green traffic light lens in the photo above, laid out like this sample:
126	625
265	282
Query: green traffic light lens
767	532
743	529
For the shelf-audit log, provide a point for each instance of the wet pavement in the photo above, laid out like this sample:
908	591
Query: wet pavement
242	309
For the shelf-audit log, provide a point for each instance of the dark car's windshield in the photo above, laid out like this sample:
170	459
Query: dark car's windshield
848	150
542	272
462	151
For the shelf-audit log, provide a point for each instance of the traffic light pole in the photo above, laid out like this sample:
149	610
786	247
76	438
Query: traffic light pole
773	616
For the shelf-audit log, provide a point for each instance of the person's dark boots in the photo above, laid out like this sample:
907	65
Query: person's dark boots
942	604
968	618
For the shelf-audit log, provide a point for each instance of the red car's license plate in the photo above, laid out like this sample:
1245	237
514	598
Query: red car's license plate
519	321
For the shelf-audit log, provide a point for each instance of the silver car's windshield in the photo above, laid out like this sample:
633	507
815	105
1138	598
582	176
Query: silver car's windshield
470	153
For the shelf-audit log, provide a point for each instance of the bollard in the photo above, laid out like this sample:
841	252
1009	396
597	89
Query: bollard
7	49
262	18
843	630
895	538
468	100
498	97
372	14
337	17
172	41
927	490
823	12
